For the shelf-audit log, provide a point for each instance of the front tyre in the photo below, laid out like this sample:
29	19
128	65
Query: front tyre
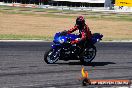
88	55
51	56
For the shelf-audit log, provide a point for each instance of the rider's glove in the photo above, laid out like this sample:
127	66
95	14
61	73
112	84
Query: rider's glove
74	42
64	32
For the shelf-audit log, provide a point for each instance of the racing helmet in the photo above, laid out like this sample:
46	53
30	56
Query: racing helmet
80	21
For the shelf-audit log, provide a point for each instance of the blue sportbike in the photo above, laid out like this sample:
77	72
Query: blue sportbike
62	49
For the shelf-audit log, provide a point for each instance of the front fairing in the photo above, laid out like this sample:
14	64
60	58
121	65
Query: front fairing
58	38
55	46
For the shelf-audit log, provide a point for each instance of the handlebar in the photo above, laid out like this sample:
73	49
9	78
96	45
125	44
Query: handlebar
63	33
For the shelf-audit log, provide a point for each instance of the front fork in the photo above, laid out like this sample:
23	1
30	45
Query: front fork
56	46
57	49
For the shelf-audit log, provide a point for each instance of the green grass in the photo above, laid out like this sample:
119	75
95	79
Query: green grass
51	13
116	39
45	38
96	17
24	37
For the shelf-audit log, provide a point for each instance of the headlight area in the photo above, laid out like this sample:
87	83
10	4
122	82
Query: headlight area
61	41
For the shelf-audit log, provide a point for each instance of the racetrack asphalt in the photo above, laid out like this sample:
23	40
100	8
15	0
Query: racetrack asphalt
22	65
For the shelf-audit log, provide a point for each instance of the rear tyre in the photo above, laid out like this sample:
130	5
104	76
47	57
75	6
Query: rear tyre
51	56
88	55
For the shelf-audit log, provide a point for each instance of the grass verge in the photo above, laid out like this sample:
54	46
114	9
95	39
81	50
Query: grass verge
29	23
24	37
45	38
66	13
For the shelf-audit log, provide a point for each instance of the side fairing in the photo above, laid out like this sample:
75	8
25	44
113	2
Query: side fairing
96	37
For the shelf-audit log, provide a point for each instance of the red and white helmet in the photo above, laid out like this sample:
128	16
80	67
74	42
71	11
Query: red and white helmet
80	21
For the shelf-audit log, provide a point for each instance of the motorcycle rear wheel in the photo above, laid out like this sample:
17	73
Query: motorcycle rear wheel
88	55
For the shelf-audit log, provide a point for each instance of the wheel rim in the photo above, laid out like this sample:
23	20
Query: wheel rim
53	56
89	54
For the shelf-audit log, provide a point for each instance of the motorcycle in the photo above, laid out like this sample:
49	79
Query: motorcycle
62	49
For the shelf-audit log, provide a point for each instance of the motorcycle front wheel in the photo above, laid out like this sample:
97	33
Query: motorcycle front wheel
88	55
51	56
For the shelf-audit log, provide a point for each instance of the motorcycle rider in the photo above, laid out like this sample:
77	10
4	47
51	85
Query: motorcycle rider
84	32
